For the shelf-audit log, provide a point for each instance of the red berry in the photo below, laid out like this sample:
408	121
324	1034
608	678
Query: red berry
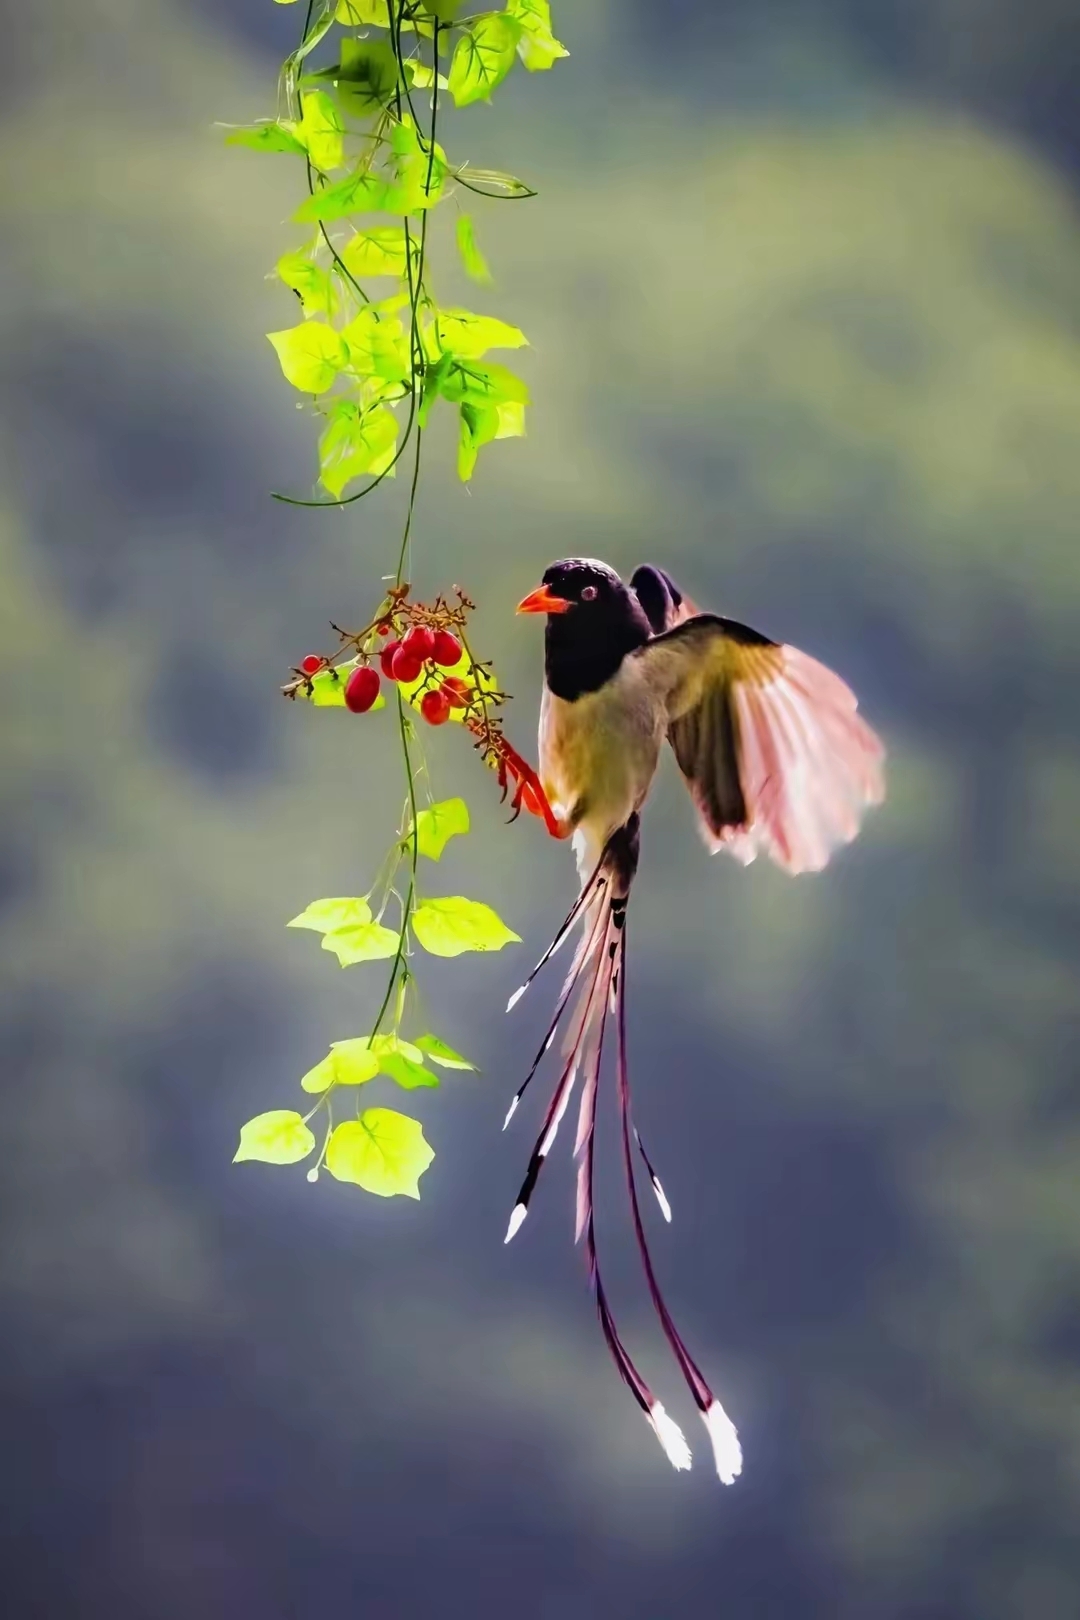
420	642
447	649
386	658
435	708
458	691
361	689
312	664
404	667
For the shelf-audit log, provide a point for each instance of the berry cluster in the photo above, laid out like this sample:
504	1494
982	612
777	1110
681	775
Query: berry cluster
419	644
421	649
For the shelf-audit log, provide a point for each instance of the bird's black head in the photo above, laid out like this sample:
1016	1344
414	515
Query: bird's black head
594	620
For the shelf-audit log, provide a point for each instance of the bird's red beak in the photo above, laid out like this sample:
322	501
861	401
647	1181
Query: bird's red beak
543	600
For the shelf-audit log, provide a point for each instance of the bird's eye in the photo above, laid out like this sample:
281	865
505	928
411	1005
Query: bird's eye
589	594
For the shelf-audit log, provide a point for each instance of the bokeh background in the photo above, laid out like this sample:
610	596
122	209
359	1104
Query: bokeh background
803	288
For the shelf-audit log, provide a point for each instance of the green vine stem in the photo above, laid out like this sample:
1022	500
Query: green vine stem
373	365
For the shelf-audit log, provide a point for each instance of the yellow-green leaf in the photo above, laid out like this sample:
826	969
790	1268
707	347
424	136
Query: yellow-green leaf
357	443
379	251
383	1151
391	305
358	13
421	171
348	1063
381	1045
482	382
511	414
479	424
322	916
469	336
359	193
367	75
476	266
537	46
360	1060
377	345
311	355
321	1077
374	14
421	76
407	1074
451	925
321	130
276	135
438	824
354	1062
483	56
300	273
443	1055
366	942
328	689
444	10
279	1137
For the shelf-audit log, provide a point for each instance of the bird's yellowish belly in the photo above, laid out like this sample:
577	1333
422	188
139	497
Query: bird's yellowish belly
598	754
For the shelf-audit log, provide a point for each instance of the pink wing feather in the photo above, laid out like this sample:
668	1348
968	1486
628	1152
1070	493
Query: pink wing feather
777	758
809	765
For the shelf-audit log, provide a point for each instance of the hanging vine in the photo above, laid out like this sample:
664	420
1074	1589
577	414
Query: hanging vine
374	364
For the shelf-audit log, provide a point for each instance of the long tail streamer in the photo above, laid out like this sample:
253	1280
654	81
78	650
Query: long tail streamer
602	991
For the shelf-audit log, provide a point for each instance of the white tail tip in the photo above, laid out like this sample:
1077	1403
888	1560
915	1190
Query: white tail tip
725	1442
516	997
511	1111
517	1215
661	1199
670	1437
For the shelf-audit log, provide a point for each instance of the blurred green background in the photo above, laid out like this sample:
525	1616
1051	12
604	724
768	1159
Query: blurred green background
802	288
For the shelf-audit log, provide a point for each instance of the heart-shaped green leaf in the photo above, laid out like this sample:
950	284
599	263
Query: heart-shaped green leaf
449	926
440	822
367	942
322	916
279	1137
483	56
383	1151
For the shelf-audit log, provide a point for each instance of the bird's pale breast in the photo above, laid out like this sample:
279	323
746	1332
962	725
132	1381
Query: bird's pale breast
598	755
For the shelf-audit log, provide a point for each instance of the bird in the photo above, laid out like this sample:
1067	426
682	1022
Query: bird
778	763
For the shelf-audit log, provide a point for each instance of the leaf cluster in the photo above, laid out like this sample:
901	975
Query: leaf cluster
374	351
375	354
381	1150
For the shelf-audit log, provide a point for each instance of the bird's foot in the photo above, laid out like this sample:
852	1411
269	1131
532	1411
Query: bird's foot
529	793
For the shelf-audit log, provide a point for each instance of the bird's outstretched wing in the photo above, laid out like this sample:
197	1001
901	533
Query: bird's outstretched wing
775	756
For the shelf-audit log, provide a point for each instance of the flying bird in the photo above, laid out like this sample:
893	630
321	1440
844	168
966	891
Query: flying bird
778	762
